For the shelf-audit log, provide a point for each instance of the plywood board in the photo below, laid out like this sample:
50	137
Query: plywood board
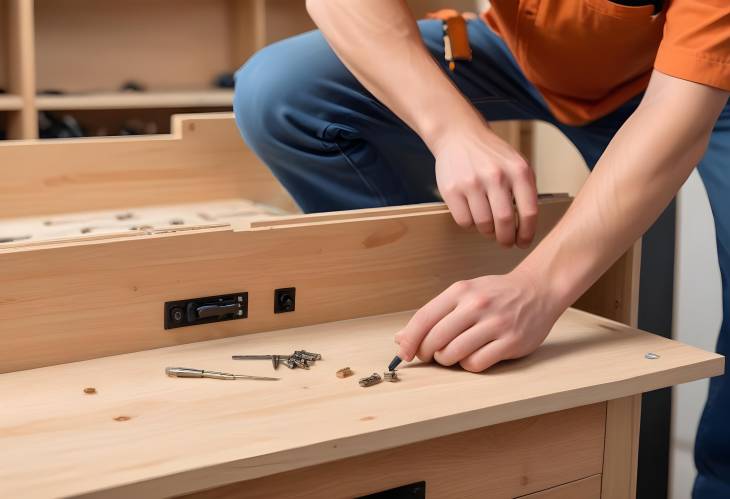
507	460
179	435
164	44
17	232
105	297
203	159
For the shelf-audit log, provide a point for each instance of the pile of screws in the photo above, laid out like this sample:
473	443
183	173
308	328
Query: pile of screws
300	358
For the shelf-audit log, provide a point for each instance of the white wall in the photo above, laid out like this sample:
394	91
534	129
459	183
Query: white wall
697	317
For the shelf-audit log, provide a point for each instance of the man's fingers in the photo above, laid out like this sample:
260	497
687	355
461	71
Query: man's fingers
466	344
481	212
500	199
488	355
525	192
448	328
459	208
410	337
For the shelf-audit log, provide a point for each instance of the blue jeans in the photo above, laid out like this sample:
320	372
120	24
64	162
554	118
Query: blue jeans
335	147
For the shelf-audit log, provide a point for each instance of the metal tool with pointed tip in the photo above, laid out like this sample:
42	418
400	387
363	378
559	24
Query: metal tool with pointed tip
186	372
275	359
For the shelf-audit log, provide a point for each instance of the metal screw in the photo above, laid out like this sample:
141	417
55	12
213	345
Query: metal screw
651	356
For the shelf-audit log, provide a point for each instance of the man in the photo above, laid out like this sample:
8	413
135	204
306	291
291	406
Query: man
641	90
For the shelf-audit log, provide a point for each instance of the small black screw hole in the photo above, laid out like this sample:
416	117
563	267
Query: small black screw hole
284	300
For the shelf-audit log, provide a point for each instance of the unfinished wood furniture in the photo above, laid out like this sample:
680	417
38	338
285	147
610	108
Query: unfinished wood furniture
176	48
99	310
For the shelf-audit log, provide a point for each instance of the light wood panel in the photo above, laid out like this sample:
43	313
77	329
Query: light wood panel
203	159
621	453
248	29
285	18
192	434
9	102
616	294
21	68
506	460
164	44
4	44
347	268
135	100
587	488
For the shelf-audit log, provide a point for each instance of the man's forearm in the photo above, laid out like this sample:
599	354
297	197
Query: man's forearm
381	45
642	169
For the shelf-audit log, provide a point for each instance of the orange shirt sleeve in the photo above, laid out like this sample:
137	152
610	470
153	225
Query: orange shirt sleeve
696	42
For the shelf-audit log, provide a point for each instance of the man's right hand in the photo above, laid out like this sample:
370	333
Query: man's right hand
479	175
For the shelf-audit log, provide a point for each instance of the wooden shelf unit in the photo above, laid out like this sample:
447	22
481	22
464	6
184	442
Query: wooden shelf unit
89	49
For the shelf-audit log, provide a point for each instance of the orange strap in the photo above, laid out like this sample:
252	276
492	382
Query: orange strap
456	37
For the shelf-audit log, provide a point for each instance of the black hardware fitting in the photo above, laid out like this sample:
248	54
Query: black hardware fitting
284	300
411	491
205	310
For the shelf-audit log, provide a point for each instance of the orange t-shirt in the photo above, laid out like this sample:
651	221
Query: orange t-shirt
588	57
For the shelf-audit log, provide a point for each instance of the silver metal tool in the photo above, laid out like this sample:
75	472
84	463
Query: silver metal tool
186	372
275	358
300	358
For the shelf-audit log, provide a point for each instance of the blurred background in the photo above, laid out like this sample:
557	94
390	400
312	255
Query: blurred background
84	68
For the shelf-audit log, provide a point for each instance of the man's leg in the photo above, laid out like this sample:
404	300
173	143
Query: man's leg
712	446
334	146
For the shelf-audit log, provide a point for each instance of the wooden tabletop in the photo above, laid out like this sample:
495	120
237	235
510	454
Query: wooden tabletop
144	434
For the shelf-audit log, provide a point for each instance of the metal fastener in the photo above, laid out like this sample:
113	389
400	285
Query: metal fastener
371	380
651	356
344	372
391	376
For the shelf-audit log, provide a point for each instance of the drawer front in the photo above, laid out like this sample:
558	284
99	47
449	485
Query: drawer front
504	461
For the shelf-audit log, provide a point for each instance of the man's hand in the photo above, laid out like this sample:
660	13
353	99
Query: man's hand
479	175
479	322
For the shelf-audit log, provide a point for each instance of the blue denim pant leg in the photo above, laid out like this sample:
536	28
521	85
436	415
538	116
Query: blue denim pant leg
334	146
712	446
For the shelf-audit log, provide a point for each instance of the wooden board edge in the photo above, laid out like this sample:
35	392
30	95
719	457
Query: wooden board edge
621	449
617	460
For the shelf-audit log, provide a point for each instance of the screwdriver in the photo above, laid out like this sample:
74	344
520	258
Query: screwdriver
186	372
394	363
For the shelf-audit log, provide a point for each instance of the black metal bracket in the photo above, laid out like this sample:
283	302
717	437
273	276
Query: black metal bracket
205	310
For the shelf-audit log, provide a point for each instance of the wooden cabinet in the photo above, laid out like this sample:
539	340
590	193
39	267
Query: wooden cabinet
88	309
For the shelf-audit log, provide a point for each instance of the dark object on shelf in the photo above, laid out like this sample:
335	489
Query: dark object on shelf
225	80
51	91
52	126
138	127
3	135
132	86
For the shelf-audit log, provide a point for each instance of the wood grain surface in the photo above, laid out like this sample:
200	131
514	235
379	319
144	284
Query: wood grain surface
507	460
144	434
105	297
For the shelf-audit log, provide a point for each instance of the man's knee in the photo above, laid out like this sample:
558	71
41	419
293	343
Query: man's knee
277	84
257	93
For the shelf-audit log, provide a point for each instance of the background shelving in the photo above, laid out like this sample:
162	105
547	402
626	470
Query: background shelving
72	57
